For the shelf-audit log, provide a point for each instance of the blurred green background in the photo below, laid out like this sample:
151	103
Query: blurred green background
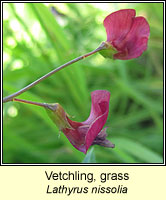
40	37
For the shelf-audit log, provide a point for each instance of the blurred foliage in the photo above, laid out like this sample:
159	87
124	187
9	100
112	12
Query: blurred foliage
39	37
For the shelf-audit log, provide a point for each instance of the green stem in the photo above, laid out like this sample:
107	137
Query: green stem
10	97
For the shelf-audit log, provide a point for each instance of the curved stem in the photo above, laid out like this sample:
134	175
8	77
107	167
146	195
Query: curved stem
10	97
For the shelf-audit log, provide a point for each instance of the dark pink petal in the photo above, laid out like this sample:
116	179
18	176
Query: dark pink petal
118	24
95	129
76	136
136	40
100	104
98	115
83	133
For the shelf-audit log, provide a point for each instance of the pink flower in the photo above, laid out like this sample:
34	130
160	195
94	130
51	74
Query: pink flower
127	34
84	134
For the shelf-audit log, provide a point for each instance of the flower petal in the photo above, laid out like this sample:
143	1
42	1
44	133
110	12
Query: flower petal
76	136
118	24
95	129
100	104
83	134
99	112
136	40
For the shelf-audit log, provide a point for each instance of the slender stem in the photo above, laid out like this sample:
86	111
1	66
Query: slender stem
30	102
10	97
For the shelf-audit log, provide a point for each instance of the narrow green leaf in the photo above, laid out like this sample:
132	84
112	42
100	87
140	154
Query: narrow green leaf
137	150
90	156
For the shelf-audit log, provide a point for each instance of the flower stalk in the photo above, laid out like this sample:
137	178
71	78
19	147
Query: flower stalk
30	102
10	97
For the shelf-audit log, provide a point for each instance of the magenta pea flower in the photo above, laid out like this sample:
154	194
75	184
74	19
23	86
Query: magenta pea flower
127	35
84	134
